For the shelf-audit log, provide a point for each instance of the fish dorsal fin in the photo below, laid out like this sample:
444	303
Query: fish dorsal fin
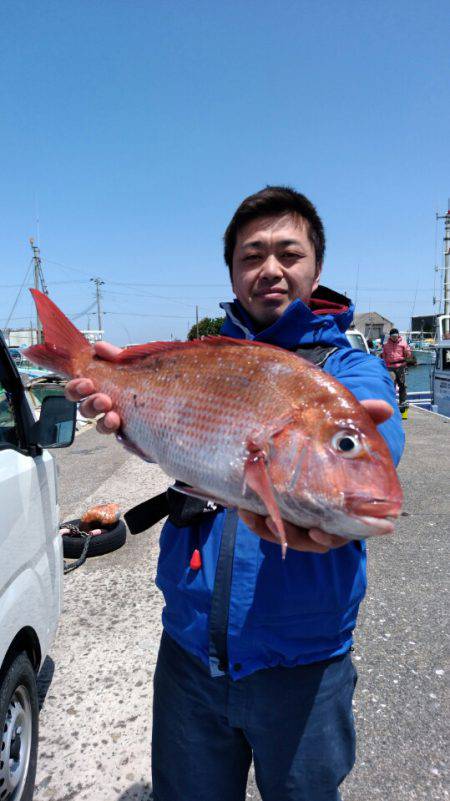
138	352
221	340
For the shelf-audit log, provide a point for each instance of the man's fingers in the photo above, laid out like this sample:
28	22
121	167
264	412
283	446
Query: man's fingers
379	410
78	388
106	351
257	524
329	540
297	538
95	404
109	423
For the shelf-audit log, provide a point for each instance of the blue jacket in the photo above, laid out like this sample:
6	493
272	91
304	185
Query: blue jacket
273	612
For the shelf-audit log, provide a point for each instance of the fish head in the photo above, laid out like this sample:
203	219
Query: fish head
336	462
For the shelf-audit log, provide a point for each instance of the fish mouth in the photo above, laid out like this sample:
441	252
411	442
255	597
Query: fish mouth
374	507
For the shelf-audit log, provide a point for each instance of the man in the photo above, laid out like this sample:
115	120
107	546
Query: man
255	656
396	353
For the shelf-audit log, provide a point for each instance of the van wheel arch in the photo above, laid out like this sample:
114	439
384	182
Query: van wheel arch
25	640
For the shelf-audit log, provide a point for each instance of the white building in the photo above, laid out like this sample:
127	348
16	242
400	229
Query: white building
20	337
24	337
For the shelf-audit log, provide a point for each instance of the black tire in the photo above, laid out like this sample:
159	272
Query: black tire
109	540
19	723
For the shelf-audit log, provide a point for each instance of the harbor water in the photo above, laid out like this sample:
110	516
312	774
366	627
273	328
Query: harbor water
418	379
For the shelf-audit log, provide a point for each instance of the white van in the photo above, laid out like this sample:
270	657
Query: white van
30	567
357	340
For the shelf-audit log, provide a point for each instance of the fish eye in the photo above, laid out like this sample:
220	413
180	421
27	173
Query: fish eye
346	443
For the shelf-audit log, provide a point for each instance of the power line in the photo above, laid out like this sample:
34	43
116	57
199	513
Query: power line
137	314
66	267
18	294
176	285
85	311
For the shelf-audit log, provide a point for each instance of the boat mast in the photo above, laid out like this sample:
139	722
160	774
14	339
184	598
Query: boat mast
446	292
39	283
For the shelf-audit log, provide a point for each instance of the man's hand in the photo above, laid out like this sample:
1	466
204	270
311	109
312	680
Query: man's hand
315	540
95	402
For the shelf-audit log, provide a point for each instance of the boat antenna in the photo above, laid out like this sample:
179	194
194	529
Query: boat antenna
356	287
414	301
446	268
36	208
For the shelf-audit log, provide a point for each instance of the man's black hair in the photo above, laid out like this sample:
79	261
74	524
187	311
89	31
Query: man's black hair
393	331
274	201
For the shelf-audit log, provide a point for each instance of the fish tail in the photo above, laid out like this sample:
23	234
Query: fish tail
64	350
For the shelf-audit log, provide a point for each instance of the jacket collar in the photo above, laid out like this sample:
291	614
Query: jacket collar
325	320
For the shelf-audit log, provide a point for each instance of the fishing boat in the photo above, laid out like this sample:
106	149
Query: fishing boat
423	350
441	372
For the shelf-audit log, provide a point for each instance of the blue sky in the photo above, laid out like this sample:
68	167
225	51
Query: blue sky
133	130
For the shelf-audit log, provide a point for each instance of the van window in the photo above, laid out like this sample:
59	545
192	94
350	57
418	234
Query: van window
8	429
356	341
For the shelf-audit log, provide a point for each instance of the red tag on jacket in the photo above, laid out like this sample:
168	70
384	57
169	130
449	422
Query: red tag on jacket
196	560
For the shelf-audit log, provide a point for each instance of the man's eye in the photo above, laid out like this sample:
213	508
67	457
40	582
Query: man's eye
252	257
291	255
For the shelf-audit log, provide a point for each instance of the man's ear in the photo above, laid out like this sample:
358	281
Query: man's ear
232	284
318	274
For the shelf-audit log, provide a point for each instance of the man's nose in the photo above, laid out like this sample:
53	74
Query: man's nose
271	268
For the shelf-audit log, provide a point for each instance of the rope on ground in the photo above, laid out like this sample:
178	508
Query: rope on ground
82	558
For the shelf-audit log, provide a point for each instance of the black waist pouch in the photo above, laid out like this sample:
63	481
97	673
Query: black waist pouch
182	510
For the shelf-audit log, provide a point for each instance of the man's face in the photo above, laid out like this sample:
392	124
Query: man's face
394	337
274	263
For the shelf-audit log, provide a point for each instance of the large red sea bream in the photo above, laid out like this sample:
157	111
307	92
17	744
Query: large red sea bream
243	423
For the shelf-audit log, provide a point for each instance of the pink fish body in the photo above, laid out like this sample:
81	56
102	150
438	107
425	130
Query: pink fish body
246	424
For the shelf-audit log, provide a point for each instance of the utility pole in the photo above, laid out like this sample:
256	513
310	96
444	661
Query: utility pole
98	282
196	320
446	283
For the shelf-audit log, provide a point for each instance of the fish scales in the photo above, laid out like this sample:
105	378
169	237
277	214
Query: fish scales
248	424
201	441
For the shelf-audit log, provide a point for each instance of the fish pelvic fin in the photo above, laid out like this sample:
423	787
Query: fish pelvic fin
65	350
256	476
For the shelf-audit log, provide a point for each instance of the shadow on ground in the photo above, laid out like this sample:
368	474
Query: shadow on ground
137	792
44	680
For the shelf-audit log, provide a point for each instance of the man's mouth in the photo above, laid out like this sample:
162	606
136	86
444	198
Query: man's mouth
271	293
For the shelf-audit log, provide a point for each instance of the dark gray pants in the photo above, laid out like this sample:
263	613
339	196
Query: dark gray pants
398	375
297	723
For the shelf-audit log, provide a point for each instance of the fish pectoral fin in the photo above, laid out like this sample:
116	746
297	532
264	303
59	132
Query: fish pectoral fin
266	432
256	476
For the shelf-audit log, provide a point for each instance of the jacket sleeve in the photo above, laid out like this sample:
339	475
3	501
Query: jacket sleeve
407	351
367	378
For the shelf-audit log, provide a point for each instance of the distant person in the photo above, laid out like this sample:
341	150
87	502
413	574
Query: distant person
255	658
372	346
396	353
